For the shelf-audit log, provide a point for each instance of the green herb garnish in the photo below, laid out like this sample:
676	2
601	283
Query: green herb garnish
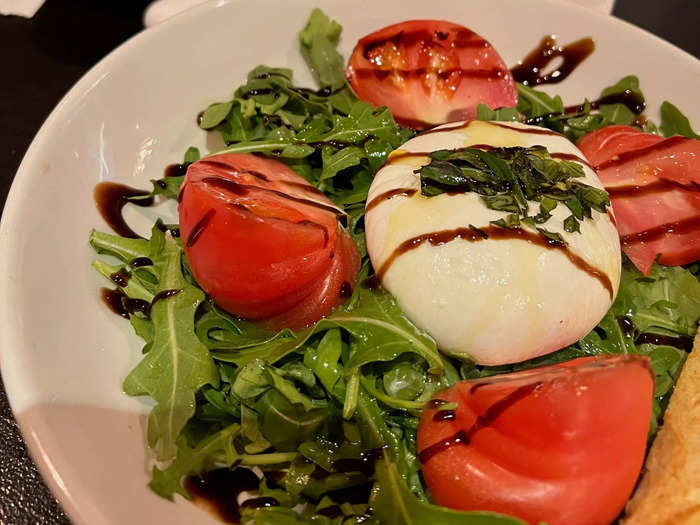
510	180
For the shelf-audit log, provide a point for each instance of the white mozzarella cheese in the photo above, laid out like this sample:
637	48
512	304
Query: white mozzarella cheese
495	301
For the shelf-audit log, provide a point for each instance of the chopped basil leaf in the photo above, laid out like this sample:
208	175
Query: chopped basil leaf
571	225
507	179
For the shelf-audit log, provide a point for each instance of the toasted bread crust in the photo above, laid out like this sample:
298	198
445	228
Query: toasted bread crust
669	492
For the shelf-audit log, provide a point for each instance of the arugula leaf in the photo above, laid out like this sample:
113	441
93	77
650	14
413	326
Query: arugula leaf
319	40
533	103
626	85
123	248
191	155
379	330
483	112
673	122
620	103
617	114
215	449
394	504
668	299
215	114
178	364
338	160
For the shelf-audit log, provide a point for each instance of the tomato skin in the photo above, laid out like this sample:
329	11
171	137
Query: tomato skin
260	240
654	186
567	451
429	72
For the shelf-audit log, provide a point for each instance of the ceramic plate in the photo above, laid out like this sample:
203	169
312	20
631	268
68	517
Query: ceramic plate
63	353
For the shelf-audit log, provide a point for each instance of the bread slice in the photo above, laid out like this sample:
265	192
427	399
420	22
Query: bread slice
669	492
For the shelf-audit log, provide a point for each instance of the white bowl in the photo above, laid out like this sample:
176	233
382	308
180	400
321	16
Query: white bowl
63	353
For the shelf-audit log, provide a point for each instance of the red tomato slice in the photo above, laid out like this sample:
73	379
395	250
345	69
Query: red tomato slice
562	444
260	240
607	142
429	72
654	186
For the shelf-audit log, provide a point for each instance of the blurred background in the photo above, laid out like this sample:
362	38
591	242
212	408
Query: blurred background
46	46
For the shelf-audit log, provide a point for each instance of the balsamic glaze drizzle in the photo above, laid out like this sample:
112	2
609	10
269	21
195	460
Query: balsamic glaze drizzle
530	70
463	437
138	262
629	330
243	189
220	489
494	232
111	198
444	415
199	228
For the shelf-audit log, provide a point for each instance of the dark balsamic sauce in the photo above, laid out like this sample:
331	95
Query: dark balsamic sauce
627	326
121	277
365	464
682	227
628	156
477	386
139	262
199	228
435	404
176	170
640	121
371	283
463	437
243	189
462	39
444	74
175	232
312	224
465	125
530	70
419	154
220	488
113	300
387	195
528	131
572	157
444	415
373	51
165	294
494	232
259	503
442	129
111	198
345	290
119	303
657	186
257	92
633	101
682	343
630	331
332	511
223	166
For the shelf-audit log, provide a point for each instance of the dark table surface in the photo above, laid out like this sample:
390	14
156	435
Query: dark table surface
44	56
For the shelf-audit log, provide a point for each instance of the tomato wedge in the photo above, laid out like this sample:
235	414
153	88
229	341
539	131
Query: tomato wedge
654	186
263	242
562	444
429	72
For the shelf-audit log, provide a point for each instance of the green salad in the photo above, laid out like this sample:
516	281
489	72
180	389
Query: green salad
327	416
